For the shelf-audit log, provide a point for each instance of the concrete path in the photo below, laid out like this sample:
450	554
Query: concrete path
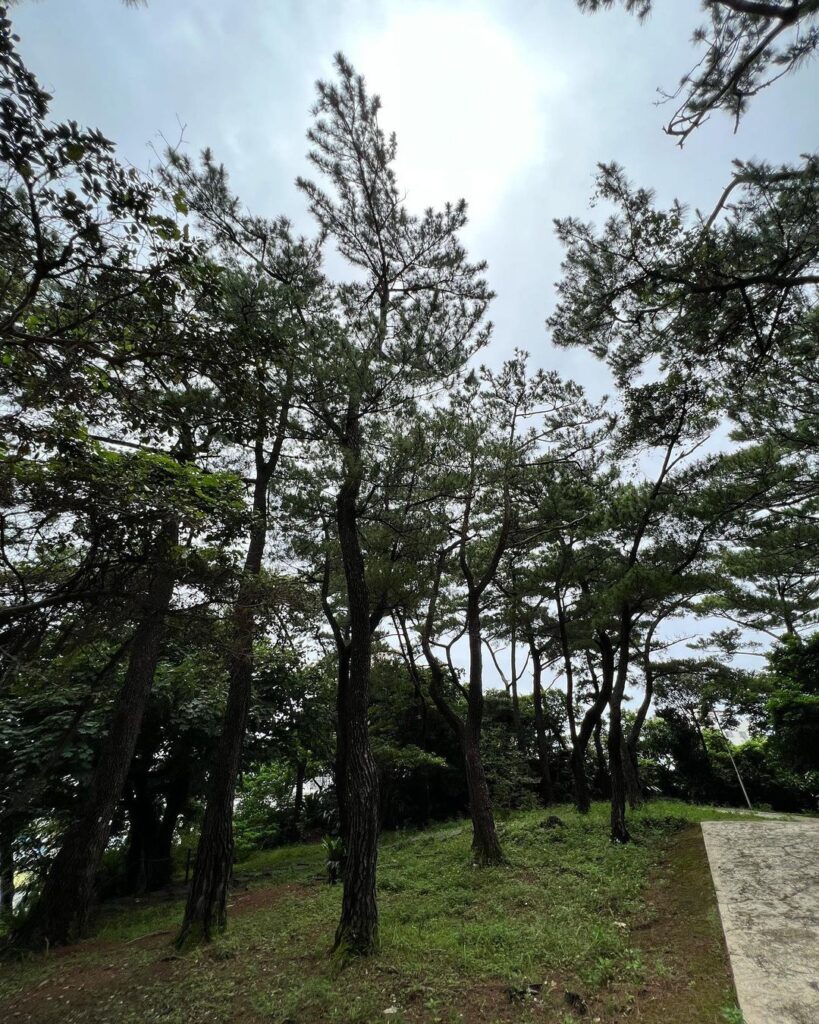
766	875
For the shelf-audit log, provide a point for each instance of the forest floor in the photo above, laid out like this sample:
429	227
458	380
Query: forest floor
571	928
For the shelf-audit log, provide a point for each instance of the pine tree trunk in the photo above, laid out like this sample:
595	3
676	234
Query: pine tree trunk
636	796
206	908
62	910
357	932
485	843
486	848
591	724
619	830
546	785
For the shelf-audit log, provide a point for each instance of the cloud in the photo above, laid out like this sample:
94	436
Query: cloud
469	103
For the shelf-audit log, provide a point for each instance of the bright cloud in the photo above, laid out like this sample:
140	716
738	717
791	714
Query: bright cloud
468	102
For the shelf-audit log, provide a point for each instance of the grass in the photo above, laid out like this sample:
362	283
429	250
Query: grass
572	922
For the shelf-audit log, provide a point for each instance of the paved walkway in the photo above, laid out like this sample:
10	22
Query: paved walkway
766	875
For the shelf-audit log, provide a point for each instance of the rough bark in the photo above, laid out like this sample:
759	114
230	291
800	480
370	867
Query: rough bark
357	932
62	910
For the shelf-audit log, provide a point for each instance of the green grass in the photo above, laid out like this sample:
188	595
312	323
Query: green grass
458	943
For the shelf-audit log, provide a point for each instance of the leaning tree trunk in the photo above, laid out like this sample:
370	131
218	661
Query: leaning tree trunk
636	796
206	908
357	932
61	912
547	791
486	846
591	725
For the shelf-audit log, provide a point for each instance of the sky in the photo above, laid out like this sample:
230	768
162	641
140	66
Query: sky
509	105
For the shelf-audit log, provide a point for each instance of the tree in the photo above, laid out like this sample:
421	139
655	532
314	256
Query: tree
405	325
793	702
258	314
749	45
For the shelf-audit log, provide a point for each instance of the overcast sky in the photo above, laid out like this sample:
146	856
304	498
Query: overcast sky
508	104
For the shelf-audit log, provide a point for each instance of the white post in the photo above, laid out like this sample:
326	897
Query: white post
733	762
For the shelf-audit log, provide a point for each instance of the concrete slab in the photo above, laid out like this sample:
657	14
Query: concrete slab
766	876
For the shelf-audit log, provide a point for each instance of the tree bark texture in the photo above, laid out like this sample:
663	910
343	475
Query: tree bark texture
357	932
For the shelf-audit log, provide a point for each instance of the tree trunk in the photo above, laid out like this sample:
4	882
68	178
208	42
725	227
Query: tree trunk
206	907
176	799
546	785
142	834
619	830
513	686
485	843
357	932
62	910
486	847
636	796
591	723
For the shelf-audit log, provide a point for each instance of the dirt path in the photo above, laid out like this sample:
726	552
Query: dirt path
766	875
